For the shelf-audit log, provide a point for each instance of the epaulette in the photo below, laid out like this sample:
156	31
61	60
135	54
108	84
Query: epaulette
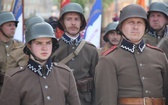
153	47
61	65
90	43
105	53
18	43
14	71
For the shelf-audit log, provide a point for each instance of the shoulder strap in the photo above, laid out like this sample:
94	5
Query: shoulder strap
105	53
73	54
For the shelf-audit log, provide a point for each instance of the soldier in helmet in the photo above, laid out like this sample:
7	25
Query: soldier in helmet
132	73
41	81
11	54
79	55
33	20
111	37
158	21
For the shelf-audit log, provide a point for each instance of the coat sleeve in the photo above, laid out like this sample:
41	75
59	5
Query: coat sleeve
9	94
163	45
72	97
106	82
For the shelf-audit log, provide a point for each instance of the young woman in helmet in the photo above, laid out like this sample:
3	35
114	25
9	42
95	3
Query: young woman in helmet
133	73
41	81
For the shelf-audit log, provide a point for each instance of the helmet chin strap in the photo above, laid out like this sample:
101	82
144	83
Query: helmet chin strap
35	58
129	39
4	33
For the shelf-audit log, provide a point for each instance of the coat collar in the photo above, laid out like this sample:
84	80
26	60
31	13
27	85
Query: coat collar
70	41
128	46
153	33
38	69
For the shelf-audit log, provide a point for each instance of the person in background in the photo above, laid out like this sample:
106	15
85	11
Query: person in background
32	20
79	55
41	81
11	50
111	37
134	73
158	20
53	21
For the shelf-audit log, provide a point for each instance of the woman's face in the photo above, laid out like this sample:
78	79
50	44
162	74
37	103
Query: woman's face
41	48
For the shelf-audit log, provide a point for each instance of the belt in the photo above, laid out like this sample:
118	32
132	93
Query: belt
141	101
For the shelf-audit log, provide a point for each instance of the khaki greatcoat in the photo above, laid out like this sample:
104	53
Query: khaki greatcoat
125	74
11	55
83	65
24	87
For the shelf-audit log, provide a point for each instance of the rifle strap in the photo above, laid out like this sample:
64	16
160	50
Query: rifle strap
73	54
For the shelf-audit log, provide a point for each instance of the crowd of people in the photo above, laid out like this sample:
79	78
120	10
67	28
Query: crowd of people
130	69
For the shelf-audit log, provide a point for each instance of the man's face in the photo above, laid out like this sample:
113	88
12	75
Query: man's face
9	29
157	20
133	29
113	37
72	23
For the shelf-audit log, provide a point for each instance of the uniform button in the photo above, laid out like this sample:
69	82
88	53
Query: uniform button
46	86
143	78
21	68
7	55
147	91
7	46
73	47
141	64
48	97
73	59
137	52
44	77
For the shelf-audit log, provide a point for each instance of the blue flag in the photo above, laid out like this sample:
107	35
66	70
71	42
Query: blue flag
93	28
18	13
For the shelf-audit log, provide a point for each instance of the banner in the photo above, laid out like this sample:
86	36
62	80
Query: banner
142	3
93	28
64	2
18	13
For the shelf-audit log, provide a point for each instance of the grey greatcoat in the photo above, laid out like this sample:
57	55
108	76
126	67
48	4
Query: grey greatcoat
132	71
163	44
83	65
153	39
25	87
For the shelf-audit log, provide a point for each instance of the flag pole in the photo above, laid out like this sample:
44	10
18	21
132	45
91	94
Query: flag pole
1	5
23	38
12	5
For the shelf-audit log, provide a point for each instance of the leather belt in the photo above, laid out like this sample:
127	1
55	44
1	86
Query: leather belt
141	101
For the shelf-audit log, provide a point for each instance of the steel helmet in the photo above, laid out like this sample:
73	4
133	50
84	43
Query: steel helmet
33	20
7	17
40	30
110	27
72	7
158	7
132	10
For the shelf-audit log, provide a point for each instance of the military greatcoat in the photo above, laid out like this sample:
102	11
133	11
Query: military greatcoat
131	71
83	65
29	85
11	55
